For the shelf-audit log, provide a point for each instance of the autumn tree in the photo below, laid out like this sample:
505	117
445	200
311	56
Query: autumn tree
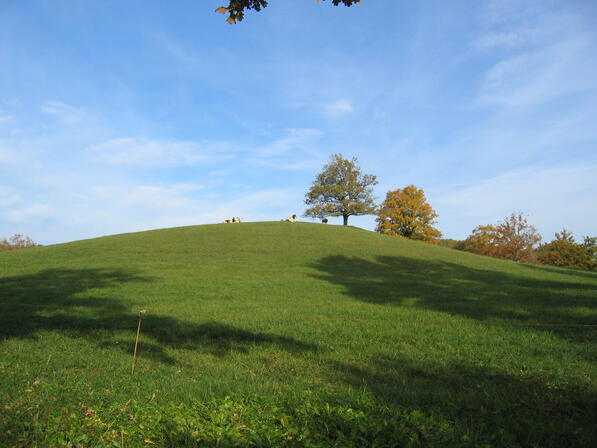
483	240
513	239
236	8
341	190
406	212
17	241
564	251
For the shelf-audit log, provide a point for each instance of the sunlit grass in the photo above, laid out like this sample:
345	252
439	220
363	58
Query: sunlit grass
291	334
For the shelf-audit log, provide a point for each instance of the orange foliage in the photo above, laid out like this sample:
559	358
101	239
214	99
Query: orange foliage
17	241
406	212
513	239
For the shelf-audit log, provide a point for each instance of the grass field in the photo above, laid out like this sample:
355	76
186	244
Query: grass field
280	334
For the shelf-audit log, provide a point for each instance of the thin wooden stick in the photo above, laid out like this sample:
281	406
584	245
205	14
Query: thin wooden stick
137	341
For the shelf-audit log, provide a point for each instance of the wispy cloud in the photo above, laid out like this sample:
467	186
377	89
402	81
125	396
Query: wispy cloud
9	196
65	113
537	77
168	205
549	53
8	156
335	109
293	139
6	119
528	31
498	12
25	213
552	197
297	149
145	152
161	198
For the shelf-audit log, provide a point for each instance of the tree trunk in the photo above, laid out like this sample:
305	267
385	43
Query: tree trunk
345	219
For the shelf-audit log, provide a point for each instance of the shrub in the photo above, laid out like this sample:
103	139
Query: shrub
17	241
564	251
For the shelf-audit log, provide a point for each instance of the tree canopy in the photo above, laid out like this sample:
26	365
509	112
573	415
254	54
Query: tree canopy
564	251
236	8
406	212
341	190
513	239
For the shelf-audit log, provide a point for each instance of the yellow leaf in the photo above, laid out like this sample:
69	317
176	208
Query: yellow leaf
230	20
222	10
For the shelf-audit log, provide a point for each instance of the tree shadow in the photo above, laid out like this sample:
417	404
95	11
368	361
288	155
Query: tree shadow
460	290
499	409
62	300
565	271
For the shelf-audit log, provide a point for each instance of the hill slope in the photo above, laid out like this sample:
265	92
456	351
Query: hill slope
413	342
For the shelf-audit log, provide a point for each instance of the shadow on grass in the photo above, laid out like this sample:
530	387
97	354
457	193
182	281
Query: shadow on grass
61	300
492	407
553	269
474	293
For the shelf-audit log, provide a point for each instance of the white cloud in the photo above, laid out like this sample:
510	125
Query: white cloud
25	213
268	204
279	152
293	140
8	156
492	40
145	152
552	197
59	215
545	52
296	150
543	28
287	166
65	113
158	199
9	127
9	196
6	119
497	12
536	77
143	207
335	109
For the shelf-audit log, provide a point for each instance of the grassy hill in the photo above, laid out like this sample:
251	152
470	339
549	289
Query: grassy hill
272	334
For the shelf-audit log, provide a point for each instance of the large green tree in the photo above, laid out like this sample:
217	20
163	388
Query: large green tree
341	190
406	212
236	8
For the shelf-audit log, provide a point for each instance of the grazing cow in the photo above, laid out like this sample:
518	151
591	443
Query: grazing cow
324	220
290	219
233	219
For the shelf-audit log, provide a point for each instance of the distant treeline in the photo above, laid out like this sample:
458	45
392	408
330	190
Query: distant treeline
515	239
17	241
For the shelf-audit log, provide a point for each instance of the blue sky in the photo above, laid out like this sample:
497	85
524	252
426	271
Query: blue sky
118	116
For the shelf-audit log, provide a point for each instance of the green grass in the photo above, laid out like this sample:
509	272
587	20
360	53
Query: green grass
280	334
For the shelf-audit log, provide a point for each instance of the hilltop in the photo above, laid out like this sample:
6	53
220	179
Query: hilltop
292	333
